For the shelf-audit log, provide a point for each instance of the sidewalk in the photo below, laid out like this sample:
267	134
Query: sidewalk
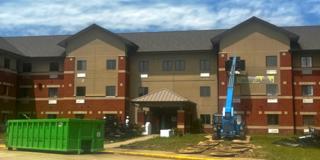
167	155
118	144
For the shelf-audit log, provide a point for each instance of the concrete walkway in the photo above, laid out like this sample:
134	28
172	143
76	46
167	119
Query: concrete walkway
139	139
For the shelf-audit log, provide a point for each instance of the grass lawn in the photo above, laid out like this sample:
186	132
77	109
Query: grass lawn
168	144
277	152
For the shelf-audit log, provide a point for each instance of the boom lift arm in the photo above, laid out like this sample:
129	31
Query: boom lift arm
227	125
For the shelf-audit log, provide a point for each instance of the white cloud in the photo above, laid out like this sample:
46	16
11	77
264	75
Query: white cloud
70	16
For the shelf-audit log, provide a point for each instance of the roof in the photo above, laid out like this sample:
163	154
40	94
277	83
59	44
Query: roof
164	95
38	46
97	27
173	41
5	45
195	40
252	20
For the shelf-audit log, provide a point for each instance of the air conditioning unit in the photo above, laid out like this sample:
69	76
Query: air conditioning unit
271	71
204	75
53	76
144	75
80	101
306	71
307	100
272	100
81	75
273	130
52	101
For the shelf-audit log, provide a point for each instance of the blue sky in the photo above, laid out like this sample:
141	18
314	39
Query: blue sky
43	17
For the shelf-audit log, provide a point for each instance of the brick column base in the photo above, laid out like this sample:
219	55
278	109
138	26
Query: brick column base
181	121
141	117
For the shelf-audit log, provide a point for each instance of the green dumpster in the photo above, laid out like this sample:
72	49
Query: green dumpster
63	135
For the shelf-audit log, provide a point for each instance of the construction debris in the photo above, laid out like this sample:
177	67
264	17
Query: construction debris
220	148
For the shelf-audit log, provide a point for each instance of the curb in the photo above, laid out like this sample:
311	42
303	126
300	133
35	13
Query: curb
159	155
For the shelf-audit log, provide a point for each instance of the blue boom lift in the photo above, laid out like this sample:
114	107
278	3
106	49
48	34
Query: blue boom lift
228	125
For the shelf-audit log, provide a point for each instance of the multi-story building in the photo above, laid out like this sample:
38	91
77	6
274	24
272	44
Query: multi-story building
167	78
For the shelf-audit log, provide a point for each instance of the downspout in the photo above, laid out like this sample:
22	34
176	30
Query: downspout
293	97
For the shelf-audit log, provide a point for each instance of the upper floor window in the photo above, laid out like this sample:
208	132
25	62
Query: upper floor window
143	66
307	90
271	61
167	65
272	89
180	65
26	67
110	90
308	120
54	67
81	65
24	92
4	90
111	64
306	62
7	62
52	92
81	91
143	91
273	119
205	91
205	118
204	66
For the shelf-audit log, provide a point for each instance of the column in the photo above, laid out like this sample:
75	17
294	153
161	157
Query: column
181	121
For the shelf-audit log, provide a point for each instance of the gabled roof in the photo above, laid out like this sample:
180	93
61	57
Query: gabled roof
292	36
6	46
97	27
164	95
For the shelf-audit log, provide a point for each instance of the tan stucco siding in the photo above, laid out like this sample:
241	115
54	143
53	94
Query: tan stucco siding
253	43
186	83
43	65
96	49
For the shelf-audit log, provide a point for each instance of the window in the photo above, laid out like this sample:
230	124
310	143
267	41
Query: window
7	63
4	118
180	65
308	120
273	119
205	118
4	90
54	67
144	66
110	90
204	66
167	65
81	65
79	116
26	67
204	91
306	62
52	116
24	92
52	92
272	89
111	64
143	91
271	61
307	90
81	91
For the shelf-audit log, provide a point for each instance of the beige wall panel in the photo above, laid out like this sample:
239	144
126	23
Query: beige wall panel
253	43
186	83
96	48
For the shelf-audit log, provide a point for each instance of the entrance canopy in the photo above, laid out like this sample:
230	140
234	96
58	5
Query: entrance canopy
160	97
